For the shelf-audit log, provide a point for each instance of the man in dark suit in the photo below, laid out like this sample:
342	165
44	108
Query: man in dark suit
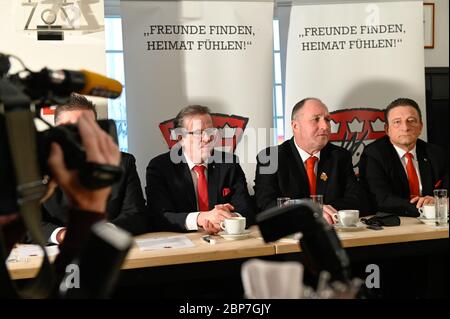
193	186
308	164
400	171
126	204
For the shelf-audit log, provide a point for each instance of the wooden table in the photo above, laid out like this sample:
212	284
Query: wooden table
252	246
203	264
410	229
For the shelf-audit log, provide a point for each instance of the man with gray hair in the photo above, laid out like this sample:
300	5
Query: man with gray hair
308	164
194	186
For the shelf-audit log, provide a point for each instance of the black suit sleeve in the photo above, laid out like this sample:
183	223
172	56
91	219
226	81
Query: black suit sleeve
351	196
379	188
132	216
163	215
439	162
445	183
48	224
54	215
241	199
267	188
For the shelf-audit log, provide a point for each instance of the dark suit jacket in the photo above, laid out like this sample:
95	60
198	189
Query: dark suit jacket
288	177
126	204
171	195
384	178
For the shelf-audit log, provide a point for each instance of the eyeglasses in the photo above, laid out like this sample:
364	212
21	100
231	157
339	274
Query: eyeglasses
209	132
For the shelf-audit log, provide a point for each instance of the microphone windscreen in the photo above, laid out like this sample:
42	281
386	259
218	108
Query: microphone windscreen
99	85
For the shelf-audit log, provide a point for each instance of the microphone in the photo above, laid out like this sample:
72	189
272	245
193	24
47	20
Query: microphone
319	242
62	83
99	85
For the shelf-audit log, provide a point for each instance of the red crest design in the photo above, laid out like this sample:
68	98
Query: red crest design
353	129
231	128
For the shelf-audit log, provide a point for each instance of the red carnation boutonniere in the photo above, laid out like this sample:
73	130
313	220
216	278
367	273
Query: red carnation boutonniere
225	192
438	184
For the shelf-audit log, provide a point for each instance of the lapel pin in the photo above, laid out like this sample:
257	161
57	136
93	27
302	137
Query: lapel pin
323	176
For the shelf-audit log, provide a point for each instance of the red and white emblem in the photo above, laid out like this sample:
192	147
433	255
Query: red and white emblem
231	128
353	129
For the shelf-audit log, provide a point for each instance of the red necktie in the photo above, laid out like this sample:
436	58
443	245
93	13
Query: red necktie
310	162
202	189
413	179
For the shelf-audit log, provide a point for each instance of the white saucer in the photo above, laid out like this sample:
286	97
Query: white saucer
359	226
245	234
428	221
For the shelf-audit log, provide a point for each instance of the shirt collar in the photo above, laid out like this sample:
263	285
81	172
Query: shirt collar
304	154
402	152
191	164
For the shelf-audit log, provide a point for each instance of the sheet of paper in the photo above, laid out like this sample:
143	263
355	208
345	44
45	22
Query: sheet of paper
22	252
164	243
293	238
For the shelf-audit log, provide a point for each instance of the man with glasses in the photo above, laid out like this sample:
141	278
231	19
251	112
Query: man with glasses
400	171
194	186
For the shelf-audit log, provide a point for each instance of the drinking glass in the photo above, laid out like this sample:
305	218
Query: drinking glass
318	199
441	204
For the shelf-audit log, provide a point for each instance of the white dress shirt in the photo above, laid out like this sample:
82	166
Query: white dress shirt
305	155
401	154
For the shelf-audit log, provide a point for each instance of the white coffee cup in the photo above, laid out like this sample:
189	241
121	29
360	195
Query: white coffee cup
428	211
233	225
348	217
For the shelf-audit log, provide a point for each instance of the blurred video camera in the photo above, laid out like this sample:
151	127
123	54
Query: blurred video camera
22	96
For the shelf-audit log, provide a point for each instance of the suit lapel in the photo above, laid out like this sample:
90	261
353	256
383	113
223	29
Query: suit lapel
213	183
426	173
187	185
57	205
324	168
300	177
62	198
399	170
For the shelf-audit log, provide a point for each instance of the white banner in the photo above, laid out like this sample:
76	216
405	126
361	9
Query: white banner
179	53
356	58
